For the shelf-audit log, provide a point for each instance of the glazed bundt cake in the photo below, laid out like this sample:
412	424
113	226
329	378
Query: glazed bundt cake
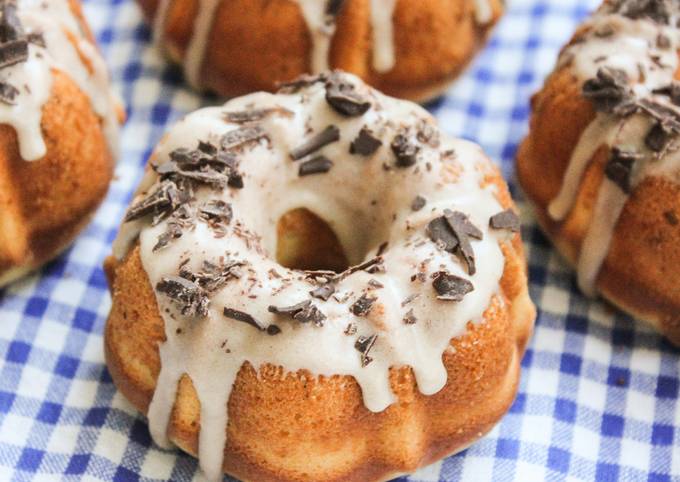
407	48
58	133
317	285
604	136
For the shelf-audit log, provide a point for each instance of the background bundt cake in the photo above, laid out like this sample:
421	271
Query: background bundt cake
58	133
281	369
407	48
604	138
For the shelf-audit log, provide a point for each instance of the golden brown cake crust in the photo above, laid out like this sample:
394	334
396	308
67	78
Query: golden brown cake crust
641	273
297	427
434	41
45	203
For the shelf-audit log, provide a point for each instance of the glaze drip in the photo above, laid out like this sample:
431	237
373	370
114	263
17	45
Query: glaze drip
630	52
56	41
402	302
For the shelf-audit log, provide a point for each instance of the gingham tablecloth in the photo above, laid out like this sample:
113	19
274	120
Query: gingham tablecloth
599	393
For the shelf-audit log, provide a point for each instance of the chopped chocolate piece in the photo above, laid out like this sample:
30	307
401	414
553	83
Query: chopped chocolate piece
10	24
301	82
165	199
8	93
656	10
317	165
409	299
363	345
363	305
440	233
365	143
235	180
254	115
610	92
350	329
428	134
212	276
190	297
289	310
405	151
242	136
207	148
672	91
323	292
658	138
310	313
463	230
273	330
344	99
418	203
450	287
505	220
216	212
243	317
461	224
329	135
410	318
374	283
333	7
619	168
172	232
671	218
13	52
382	248
36	38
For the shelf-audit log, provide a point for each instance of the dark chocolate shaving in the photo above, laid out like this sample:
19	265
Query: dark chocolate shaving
609	92
178	221
418	203
363	306
241	137
657	10
365	143
216	213
440	233
273	330
350	329
364	345
187	295
450	287
405	151
619	168
410	318
243	317
323	292
505	220
165	199
10	24
254	115
316	165
212	276
344	99
428	134
327	136
13	52
289	310
658	138
8	93
304	312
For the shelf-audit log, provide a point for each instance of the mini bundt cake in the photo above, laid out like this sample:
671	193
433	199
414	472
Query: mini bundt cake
231	332
58	133
408	48
605	135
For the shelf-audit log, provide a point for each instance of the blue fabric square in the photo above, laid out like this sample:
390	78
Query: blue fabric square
96	416
30	459
667	387
84	319
558	460
66	366
662	434
125	475
18	352
507	448
606	472
565	410
6	400
612	425
49	412
77	464
36	307
570	364
618	377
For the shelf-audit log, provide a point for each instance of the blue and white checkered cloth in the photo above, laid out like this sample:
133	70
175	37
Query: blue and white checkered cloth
599	392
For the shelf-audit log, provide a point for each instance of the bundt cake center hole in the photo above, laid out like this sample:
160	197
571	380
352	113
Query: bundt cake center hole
307	242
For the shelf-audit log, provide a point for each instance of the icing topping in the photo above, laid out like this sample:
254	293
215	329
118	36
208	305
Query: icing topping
418	276
626	60
52	38
320	17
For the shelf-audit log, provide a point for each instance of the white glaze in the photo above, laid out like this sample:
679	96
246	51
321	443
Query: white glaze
343	197
76	56
382	25
628	49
